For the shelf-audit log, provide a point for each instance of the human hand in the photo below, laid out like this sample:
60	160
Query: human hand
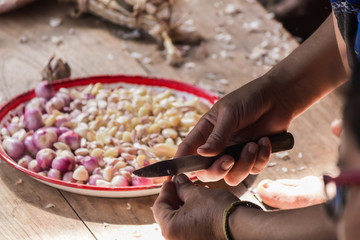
255	110
186	211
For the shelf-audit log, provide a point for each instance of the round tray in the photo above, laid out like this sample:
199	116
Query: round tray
15	107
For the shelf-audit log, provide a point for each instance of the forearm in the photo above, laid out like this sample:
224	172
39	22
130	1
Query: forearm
314	69
305	223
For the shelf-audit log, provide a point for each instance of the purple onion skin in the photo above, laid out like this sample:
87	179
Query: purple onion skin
78	159
97	171
13	128
29	146
54	173
140	181
27	157
71	139
37	103
64	97
67	109
90	163
44	90
101	162
33	119
44	138
68	154
63	164
14	148
89	96
93	178
129	169
54	103
61	120
45	157
34	166
57	130
68	177
63	129
146	163
120	181
24	161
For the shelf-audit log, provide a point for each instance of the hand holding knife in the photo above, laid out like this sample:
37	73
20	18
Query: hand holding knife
279	142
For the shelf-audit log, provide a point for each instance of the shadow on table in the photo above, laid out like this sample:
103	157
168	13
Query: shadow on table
94	209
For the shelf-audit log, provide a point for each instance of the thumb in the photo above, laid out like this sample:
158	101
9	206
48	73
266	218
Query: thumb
165	204
184	187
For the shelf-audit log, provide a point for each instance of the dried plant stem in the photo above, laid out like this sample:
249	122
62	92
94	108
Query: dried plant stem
153	16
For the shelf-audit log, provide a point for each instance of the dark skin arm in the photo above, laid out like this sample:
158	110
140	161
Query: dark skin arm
185	211
266	106
304	223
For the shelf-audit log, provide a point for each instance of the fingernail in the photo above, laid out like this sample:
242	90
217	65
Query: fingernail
205	146
173	178
227	164
263	142
252	148
180	179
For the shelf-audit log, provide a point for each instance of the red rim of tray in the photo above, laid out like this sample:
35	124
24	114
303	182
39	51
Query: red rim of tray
104	79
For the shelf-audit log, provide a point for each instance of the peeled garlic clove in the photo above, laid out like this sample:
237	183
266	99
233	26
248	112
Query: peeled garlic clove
81	174
165	149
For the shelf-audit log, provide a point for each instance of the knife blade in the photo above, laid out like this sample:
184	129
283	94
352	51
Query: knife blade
279	142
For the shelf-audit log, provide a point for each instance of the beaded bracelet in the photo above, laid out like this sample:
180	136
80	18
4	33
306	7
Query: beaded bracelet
230	210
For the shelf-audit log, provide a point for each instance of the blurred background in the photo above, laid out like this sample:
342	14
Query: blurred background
300	17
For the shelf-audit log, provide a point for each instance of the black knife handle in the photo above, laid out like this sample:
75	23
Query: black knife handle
279	142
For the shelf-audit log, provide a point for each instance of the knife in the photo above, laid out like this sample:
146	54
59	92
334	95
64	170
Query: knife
279	142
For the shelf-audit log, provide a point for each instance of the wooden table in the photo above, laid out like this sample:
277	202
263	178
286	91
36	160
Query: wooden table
94	49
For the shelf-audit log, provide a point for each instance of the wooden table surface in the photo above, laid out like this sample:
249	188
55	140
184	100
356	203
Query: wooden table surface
94	48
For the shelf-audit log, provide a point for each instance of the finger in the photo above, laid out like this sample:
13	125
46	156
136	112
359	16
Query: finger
220	135
170	196
217	170
243	166
195	138
184	187
262	156
166	203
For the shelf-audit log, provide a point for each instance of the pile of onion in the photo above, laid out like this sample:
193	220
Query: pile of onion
84	136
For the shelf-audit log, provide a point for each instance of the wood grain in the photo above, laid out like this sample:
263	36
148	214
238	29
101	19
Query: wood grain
94	48
25	212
